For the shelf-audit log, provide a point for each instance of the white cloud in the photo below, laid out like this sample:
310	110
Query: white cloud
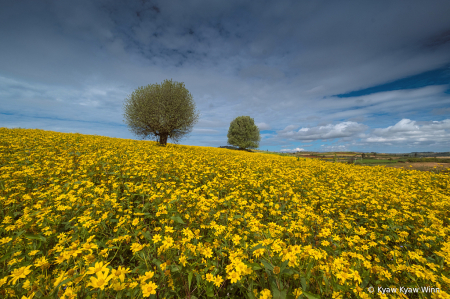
344	129
407	131
205	131
262	126
292	150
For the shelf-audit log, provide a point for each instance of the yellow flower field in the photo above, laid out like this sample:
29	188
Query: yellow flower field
95	217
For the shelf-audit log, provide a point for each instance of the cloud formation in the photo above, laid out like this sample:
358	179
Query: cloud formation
343	75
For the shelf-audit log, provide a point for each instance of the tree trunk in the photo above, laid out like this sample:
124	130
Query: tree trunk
163	139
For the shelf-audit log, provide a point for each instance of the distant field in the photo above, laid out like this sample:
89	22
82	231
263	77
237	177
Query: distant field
435	164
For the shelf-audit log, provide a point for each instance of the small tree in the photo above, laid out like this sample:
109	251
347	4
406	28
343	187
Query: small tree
165	110
243	133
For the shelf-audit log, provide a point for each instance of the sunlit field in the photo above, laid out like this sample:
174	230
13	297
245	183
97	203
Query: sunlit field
95	217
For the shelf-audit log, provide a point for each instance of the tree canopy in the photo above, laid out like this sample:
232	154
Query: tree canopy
165	110
243	133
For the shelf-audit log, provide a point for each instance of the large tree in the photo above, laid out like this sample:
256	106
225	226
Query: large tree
165	110
243	133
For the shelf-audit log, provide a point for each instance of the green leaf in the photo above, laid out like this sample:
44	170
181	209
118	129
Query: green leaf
255	266
311	296
304	284
147	236
283	265
365	282
18	235
288	272
250	295
177	219
174	268
198	278
190	280
277	293
209	291
280	294
326	280
6	256
268	266
308	270
35	237
409	275
259	246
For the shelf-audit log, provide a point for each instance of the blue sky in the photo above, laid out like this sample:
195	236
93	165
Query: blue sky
314	75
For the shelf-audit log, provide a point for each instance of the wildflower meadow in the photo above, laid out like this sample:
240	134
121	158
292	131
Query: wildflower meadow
86	216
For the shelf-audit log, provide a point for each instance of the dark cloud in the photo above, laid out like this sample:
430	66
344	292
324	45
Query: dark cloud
342	71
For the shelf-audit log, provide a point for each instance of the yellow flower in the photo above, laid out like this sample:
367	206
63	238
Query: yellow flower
5	240
31	253
69	294
62	257
90	239
59	279
236	239
325	243
163	266
209	277
26	285
101	280
132	285
148	275
343	276
241	268
41	262
337	295
104	253
120	273
183	260
3	281
136	247
89	247
168	242
156	238
8	219
29	297
218	281
99	267
298	292
149	289
20	273
265	294
207	252
276	270
234	276
135	221
117	286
